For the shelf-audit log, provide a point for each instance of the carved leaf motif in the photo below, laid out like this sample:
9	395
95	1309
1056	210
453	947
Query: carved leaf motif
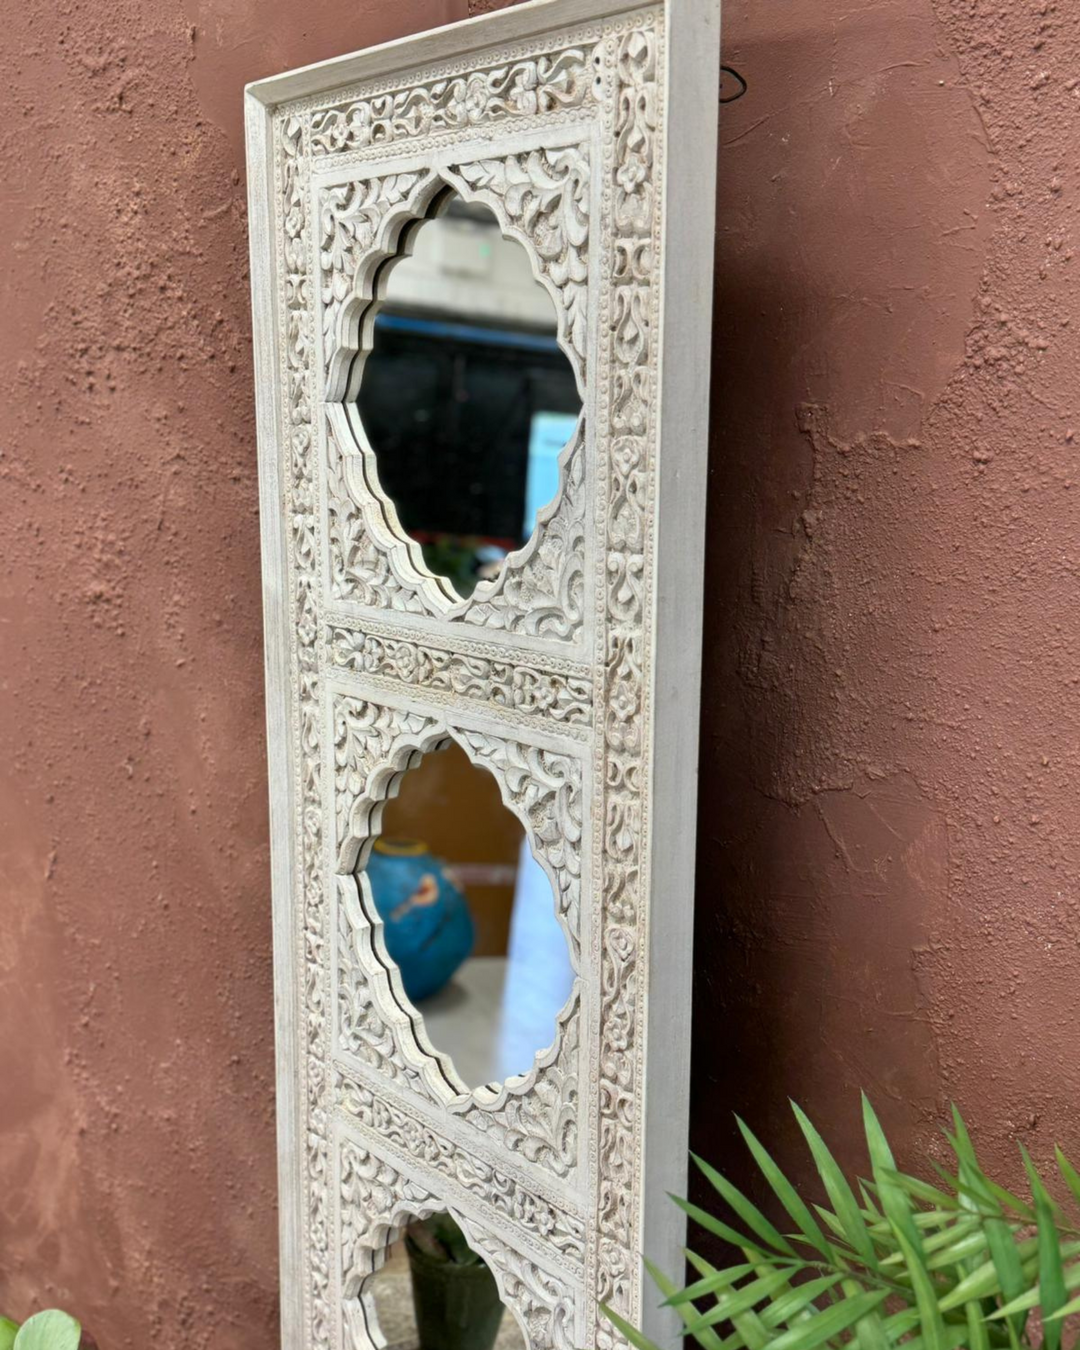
502	683
521	89
536	1214
377	1201
541	1125
536	1115
359	569
543	594
543	197
350	216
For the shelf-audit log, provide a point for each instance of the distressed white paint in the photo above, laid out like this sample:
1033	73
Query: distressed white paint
588	127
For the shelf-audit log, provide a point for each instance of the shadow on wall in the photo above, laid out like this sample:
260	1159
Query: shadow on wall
851	240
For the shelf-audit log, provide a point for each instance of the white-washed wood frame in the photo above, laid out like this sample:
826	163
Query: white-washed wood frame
588	127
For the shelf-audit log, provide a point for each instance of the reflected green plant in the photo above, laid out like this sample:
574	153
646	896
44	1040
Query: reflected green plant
891	1260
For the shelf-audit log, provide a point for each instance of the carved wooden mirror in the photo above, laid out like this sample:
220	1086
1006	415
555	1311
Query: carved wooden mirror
481	265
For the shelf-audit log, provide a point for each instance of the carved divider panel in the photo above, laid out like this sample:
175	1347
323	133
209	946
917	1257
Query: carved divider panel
563	677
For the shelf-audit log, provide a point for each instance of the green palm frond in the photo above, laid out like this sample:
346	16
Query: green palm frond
889	1260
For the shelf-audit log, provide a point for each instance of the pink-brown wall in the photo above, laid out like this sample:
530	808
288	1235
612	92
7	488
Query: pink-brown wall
889	826
889	832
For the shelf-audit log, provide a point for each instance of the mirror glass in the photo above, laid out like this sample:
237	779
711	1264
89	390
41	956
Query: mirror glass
466	397
428	1272
469	916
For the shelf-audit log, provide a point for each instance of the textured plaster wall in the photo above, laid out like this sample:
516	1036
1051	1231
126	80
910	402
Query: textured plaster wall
137	1175
889	825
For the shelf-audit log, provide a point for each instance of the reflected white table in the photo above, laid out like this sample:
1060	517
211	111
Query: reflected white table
498	1011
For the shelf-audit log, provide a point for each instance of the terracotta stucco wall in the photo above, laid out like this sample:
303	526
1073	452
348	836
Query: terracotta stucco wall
889	824
888	832
137	1174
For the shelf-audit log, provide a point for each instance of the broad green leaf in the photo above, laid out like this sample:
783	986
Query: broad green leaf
956	1233
870	1211
983	1282
839	1192
745	1209
965	1246
786	1194
961	1241
50	1330
1031	1298
833	1224
1073	1306
1007	1263
978	1336
899	1324
922	1190
8	1331
707	1338
954	1337
830	1322
869	1331
1051	1271
751	1331
974	1187
965	1151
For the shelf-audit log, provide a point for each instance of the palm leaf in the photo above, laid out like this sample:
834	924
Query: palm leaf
709	1284
706	1338
751	1331
745	1209
787	1195
891	1262
1051	1270
829	1323
732	1300
839	1192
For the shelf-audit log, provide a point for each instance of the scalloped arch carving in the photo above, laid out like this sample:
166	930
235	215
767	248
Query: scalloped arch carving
574	679
541	199
535	1113
377	1202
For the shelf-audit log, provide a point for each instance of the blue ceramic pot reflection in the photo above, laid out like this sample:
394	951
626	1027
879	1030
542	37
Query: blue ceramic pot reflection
426	920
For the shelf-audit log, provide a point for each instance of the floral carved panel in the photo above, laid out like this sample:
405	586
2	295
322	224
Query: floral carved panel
542	198
535	1115
566	677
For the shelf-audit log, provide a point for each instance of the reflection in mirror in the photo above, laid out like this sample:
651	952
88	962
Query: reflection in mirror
432	1287
466	397
469	917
